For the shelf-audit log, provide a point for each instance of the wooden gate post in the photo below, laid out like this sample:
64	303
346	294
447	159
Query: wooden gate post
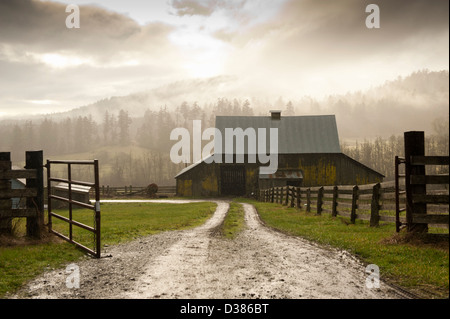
355	197
286	200
375	206
308	199
299	200
414	146
5	164
320	195
335	201
34	160
292	196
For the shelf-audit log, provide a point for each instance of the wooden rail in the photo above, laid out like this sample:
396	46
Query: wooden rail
113	191
372	202
11	205
421	204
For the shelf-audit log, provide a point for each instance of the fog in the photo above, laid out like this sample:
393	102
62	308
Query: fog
114	88
255	48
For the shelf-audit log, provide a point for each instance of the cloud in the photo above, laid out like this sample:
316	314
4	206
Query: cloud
325	45
285	48
39	27
111	54
192	7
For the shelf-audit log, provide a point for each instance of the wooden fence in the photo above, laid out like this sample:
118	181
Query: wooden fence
421	201
128	191
372	202
422	198
32	191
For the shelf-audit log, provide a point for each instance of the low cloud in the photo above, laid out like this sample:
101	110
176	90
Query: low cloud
192	7
39	27
285	48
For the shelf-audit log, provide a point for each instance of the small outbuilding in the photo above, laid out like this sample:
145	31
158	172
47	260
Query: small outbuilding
80	193
18	183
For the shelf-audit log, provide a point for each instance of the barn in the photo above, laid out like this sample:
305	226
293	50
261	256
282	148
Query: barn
309	154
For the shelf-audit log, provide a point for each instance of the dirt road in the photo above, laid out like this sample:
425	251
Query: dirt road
197	263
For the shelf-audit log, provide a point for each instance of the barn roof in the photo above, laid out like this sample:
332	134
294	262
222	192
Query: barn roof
296	134
188	168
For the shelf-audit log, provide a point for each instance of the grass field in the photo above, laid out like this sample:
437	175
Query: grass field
22	260
419	265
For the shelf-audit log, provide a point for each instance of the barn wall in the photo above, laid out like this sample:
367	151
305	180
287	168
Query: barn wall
329	169
318	170
202	180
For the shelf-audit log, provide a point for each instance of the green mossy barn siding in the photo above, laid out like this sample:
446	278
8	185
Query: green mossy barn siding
316	169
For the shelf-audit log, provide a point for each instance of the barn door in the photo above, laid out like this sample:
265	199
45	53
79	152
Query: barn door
233	180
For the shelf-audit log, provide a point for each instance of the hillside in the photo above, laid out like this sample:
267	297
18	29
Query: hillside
131	134
407	103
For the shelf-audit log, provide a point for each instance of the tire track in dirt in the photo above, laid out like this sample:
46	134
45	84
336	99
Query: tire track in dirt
259	263
179	272
197	263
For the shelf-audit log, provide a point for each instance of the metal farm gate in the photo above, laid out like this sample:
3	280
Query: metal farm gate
69	198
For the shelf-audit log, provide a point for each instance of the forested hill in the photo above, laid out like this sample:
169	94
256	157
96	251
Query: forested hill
405	103
144	121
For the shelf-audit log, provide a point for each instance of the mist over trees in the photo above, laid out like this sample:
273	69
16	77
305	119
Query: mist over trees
131	137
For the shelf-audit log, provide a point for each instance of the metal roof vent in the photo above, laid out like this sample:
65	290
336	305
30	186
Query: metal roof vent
275	114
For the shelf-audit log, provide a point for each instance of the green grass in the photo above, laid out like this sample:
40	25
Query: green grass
234	222
123	222
119	223
419	267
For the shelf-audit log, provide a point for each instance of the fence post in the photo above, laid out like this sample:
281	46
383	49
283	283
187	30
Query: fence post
292	196
375	206
299	200
5	164
355	197
272	194
319	200
35	225
414	146
286	200
335	201
308	199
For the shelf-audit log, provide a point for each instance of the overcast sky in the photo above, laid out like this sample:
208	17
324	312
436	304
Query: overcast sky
288	48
